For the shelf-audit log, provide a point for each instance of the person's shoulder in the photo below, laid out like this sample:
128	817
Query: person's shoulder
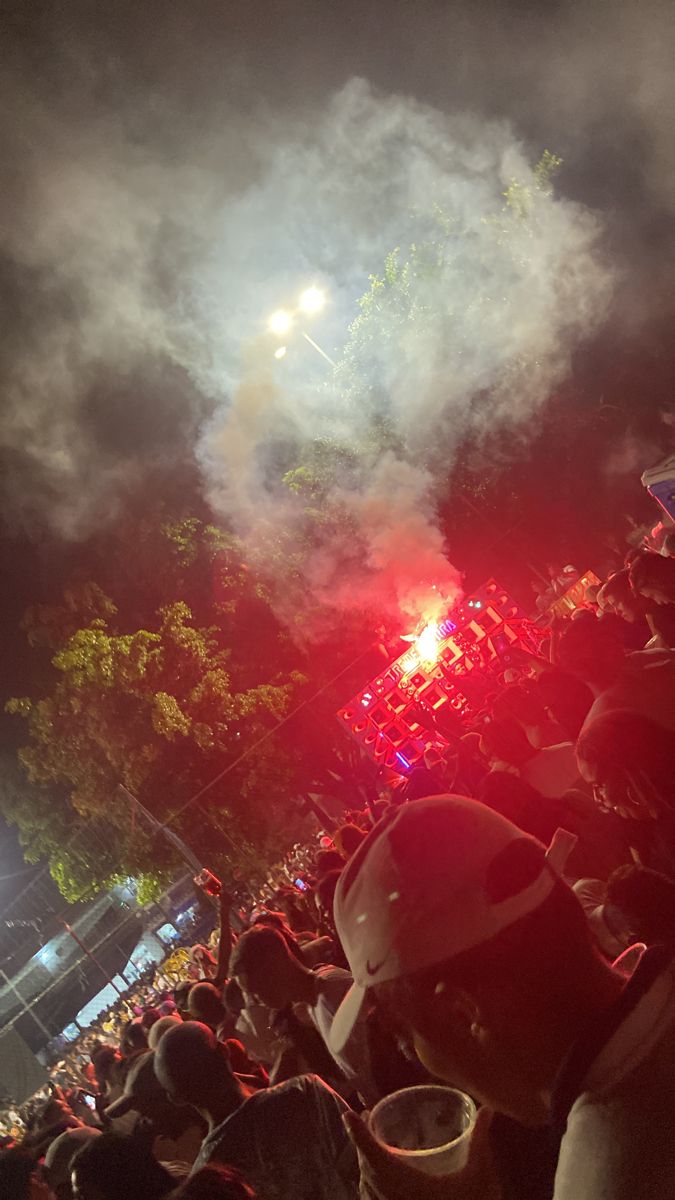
494	780
299	1087
317	1098
616	1145
333	983
549	757
328	972
588	1144
304	1085
561	751
301	1099
641	660
260	1109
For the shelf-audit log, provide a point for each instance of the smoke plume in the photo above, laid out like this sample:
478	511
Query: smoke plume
173	176
471	327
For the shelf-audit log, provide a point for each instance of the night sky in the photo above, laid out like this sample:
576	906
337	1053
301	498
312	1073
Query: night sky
175	105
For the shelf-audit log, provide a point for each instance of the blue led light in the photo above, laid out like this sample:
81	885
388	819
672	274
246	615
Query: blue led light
403	760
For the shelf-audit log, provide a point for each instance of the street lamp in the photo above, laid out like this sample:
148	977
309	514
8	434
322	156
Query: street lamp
280	322
310	302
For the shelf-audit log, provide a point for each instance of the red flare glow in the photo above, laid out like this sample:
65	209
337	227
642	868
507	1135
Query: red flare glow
427	644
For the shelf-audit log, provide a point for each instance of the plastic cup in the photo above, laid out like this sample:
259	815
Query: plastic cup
429	1127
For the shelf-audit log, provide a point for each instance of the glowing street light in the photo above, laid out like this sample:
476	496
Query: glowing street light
280	322
312	300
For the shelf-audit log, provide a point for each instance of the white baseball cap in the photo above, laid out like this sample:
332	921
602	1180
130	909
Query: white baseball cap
420	890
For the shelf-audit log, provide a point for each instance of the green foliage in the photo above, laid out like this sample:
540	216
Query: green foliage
520	199
83	604
148	888
546	169
162	709
430	298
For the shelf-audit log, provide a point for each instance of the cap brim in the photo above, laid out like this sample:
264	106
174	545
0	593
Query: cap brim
119	1108
345	1018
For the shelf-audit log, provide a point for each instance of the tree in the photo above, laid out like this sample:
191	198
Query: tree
434	303
162	709
165	658
49	831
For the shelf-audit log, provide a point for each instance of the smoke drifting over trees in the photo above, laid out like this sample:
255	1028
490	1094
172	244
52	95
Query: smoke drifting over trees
472	324
177	173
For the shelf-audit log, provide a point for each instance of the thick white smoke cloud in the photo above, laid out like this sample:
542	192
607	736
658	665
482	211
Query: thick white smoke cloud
144	259
509	295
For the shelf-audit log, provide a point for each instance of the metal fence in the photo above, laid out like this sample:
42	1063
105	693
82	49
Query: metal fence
55	956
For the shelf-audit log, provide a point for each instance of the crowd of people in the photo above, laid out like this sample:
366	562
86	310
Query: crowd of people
501	920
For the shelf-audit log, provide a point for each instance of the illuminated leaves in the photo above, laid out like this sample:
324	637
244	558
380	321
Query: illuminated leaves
161	708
